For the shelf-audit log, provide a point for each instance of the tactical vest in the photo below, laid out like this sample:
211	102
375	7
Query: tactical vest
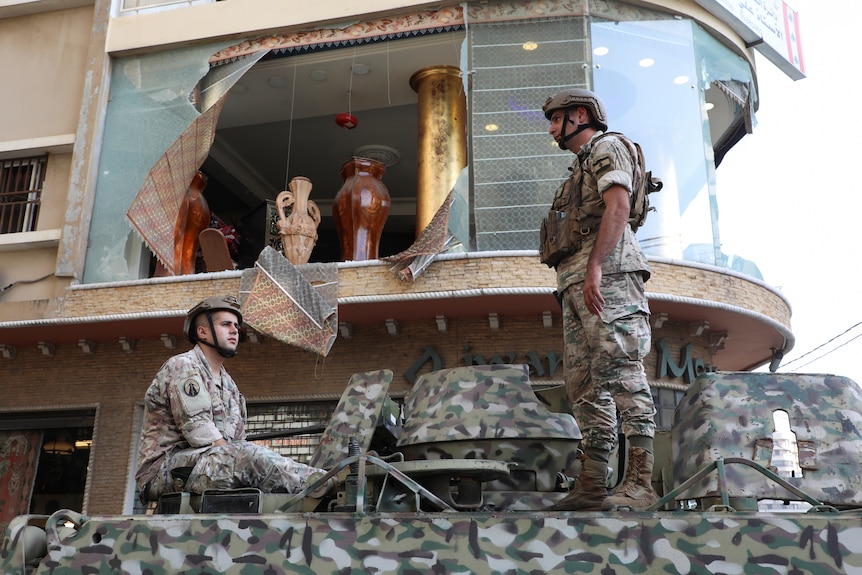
571	219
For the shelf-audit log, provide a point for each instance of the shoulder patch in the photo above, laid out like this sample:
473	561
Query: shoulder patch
191	388
601	166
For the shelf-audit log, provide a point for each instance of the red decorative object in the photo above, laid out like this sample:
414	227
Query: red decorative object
360	209
346	120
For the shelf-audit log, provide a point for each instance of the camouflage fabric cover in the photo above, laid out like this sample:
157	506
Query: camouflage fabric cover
673	541
451	543
731	415
479	402
358	412
488	412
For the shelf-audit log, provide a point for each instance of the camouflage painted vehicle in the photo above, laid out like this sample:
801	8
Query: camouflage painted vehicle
455	482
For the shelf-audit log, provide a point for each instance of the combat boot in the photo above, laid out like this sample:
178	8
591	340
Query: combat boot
590	493
636	490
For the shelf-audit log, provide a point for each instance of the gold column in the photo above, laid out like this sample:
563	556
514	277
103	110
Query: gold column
442	150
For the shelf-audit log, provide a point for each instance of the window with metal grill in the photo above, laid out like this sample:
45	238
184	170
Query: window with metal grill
271	417
20	193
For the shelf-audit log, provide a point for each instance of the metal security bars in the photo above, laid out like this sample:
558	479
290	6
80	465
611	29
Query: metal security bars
20	193
517	166
270	417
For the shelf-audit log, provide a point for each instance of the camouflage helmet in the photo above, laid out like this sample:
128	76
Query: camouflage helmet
210	304
578	97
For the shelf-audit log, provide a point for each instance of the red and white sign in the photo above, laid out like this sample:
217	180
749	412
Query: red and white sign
769	26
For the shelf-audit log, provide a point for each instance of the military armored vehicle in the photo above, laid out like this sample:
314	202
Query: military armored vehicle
455	480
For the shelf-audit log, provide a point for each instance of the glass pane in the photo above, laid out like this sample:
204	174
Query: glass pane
516	164
729	98
645	73
150	107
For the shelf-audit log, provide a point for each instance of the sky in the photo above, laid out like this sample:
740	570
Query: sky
790	194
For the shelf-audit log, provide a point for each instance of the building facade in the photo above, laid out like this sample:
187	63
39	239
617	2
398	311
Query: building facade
116	104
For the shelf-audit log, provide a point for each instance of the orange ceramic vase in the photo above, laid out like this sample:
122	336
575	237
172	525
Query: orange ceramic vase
193	219
360	209
298	218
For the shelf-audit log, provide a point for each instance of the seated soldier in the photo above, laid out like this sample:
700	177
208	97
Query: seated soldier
193	435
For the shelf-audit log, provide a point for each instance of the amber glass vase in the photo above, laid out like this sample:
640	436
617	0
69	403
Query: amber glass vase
194	217
360	209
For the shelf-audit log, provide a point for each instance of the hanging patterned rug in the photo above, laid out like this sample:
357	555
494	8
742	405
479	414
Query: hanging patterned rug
19	458
297	305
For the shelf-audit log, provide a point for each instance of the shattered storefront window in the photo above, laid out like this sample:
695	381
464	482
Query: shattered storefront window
154	99
656	76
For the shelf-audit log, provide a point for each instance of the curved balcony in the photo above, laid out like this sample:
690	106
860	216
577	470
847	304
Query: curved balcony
748	317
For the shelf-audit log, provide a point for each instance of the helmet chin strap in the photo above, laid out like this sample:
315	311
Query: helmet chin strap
566	137
221	350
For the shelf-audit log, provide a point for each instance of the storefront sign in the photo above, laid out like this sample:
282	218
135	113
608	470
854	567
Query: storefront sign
548	364
688	368
540	365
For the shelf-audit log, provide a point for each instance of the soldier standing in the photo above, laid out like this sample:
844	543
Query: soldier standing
194	421
605	312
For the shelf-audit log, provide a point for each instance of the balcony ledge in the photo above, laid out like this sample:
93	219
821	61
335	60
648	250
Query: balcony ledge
29	240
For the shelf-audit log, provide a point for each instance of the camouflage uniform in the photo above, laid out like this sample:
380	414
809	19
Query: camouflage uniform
604	354
187	409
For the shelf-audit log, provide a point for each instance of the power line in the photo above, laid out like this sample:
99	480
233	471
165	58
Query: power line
823	345
828	352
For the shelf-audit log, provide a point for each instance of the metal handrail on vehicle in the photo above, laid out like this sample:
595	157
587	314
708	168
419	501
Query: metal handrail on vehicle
718	465
361	460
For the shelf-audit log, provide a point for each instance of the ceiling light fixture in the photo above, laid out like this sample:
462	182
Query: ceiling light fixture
529	46
59	447
345	329
392	326
318	75
491	127
680	80
601	51
646	63
275	81
379	153
361	69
